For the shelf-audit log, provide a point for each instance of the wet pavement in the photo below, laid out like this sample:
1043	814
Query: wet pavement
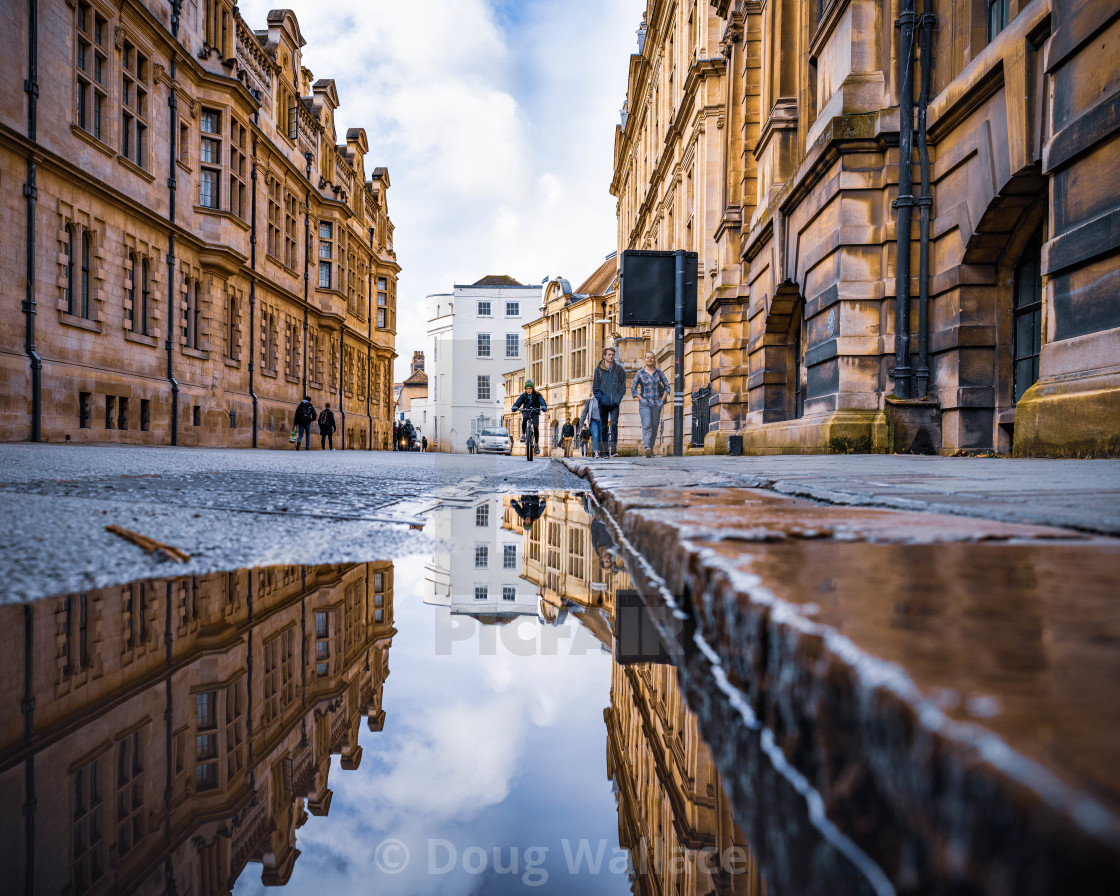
449	674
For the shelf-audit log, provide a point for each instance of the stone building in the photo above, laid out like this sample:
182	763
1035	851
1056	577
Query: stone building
194	245
769	133
172	731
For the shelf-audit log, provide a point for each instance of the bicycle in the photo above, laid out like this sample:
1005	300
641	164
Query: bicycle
531	430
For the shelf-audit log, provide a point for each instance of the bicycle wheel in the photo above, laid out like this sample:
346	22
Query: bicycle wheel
529	445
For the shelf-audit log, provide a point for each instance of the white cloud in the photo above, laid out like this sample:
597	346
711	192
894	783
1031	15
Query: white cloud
497	130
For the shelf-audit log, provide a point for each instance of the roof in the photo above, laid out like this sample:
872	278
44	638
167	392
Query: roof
417	379
497	280
599	283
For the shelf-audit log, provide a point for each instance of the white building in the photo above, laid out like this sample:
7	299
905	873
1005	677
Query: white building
474	337
476	566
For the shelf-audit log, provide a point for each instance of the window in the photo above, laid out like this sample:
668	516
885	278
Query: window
68	290
85	409
382	301
322	644
999	11
134	104
130	292
206	741
238	189
290	208
509	556
210	156
509	592
482	515
88	862
536	363
483	345
556	358
513	309
274	218
513	345
184	143
192	316
1027	314
484	309
91	66
84	310
232	329
484	388
579	352
145	295
130	793
480	592
326	253
235	737
122	413
481	556
75	608
145	414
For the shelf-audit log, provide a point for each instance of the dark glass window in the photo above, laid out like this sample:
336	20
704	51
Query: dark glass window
1027	323
999	11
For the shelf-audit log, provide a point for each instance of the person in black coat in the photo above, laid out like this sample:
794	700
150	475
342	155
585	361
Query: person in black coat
304	417
326	427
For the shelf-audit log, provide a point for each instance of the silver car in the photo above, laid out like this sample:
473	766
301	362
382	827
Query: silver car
494	440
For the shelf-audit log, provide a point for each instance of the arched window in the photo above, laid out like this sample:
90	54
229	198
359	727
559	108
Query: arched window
69	269
131	292
85	274
1027	316
144	297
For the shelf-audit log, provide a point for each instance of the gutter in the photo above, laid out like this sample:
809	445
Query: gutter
369	336
31	88
905	201
253	289
172	180
925	200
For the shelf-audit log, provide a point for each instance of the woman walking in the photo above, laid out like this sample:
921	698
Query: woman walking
653	387
609	388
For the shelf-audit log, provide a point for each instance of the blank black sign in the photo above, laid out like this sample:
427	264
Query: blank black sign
648	282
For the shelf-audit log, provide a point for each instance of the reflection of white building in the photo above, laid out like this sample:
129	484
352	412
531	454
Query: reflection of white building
474	337
476	567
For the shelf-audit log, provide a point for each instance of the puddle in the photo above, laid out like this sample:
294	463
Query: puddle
450	723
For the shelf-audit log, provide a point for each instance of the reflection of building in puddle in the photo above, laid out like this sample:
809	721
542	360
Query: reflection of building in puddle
571	561
184	727
673	816
476	567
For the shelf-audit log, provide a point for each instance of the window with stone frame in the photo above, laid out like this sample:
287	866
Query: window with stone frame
270	706
268	340
131	276
274	218
131	817
135	88
87	827
536	362
206	741
326	253
144	311
238	169
210	159
233	328
291	209
556	358
217	27
382	302
579	352
192	314
69	284
234	729
91	69
291	365
999	13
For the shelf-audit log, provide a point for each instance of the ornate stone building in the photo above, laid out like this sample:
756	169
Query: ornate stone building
193	245
765	136
173	731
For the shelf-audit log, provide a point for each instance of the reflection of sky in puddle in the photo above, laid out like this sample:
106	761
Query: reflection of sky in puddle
481	751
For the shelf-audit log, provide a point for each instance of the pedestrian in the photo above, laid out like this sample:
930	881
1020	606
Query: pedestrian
532	404
653	387
326	427
589	420
424	445
304	417
609	388
567	433
584	440
470	444
396	435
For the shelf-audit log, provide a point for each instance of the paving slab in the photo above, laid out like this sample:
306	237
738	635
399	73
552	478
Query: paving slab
942	683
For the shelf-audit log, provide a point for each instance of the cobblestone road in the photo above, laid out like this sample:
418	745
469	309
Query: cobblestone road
227	508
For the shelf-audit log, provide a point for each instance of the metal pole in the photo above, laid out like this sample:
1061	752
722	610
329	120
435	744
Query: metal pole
925	201
253	293
905	201
31	192
306	267
172	182
678	355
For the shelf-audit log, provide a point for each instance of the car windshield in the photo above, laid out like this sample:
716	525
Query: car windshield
502	433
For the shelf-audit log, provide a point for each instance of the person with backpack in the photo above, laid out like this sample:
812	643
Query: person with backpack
589	421
567	433
584	440
326	428
424	445
609	387
651	388
304	417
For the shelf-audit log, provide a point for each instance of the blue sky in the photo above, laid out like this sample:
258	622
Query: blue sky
496	120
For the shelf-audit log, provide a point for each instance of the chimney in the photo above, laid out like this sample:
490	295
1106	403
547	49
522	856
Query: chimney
417	361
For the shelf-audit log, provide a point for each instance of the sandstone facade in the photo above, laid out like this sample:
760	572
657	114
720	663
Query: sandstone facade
204	250
765	136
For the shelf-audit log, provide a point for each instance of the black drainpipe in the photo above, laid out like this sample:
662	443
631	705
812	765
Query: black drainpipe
172	178
341	351
253	285
306	266
905	201
31	88
369	336
925	201
28	709
168	720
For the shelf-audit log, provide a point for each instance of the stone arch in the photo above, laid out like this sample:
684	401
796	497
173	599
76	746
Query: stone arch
981	357
783	355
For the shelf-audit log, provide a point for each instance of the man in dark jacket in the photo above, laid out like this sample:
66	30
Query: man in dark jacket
304	417
609	388
326	427
528	401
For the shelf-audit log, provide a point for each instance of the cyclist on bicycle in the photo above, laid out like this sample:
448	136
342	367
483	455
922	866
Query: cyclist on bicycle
528	401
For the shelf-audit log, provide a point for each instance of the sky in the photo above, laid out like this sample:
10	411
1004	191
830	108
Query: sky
496	121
